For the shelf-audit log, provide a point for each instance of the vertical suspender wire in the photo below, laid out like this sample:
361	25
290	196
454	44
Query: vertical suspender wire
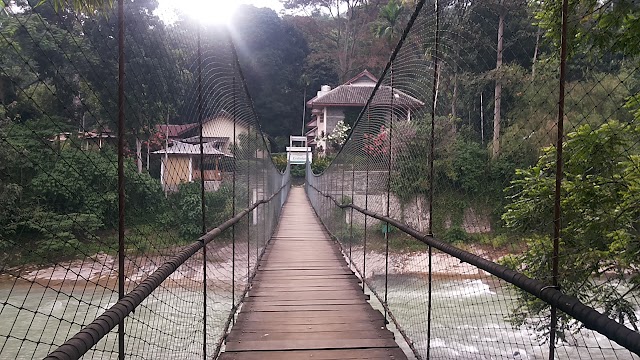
326	203
254	217
387	230
434	92
343	213
366	206
353	179
202	203
332	189
265	210
121	195
327	200
557	209
248	152
325	189
233	202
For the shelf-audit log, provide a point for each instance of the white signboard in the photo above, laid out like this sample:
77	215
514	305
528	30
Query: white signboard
299	157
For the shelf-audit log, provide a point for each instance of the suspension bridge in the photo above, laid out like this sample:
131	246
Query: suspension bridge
305	301
413	236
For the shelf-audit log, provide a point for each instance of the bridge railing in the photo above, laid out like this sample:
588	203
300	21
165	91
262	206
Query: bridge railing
137	191
485	227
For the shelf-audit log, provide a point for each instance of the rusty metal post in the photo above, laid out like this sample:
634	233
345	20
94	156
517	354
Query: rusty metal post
121	180
248	151
353	183
342	212
431	174
202	202
387	230
233	201
557	209
366	206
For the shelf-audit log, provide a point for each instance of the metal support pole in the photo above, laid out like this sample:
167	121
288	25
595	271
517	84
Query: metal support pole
233	201
266	208
342	220
121	180
557	209
366	206
254	216
431	173
248	205
386	233
353	183
202	203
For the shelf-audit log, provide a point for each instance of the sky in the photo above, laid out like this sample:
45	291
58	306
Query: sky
209	11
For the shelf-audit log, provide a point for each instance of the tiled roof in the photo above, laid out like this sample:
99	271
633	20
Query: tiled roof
176	130
363	75
206	139
178	147
353	95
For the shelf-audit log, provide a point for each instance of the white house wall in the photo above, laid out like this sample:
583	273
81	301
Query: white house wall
334	114
223	127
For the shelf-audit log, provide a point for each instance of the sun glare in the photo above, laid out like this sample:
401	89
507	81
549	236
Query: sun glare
203	11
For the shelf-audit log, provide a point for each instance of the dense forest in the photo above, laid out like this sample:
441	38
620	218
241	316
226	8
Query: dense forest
498	97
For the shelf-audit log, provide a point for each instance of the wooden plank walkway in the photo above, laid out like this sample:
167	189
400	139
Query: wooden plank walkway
305	302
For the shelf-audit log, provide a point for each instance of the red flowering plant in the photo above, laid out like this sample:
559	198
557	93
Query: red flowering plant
401	136
375	145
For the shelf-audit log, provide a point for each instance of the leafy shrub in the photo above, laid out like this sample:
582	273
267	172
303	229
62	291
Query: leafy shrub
60	234
320	163
383	227
298	171
455	235
280	161
347	235
186	212
86	182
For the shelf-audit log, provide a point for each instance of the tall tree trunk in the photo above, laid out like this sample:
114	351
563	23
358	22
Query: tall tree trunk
454	98
148	151
498	90
3	90
435	100
482	117
535	55
139	154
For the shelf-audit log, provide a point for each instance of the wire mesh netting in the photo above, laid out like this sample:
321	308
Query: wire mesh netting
458	141
194	157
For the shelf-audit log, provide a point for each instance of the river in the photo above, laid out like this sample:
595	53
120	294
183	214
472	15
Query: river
469	321
168	322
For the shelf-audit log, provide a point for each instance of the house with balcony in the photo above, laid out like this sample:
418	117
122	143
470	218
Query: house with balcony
180	157
329	106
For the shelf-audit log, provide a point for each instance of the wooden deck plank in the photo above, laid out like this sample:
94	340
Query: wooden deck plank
309	344
305	302
330	316
309	329
318	335
279	302
359	354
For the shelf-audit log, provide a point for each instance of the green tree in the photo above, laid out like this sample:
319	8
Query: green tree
186	215
600	245
388	24
342	25
272	54
610	26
